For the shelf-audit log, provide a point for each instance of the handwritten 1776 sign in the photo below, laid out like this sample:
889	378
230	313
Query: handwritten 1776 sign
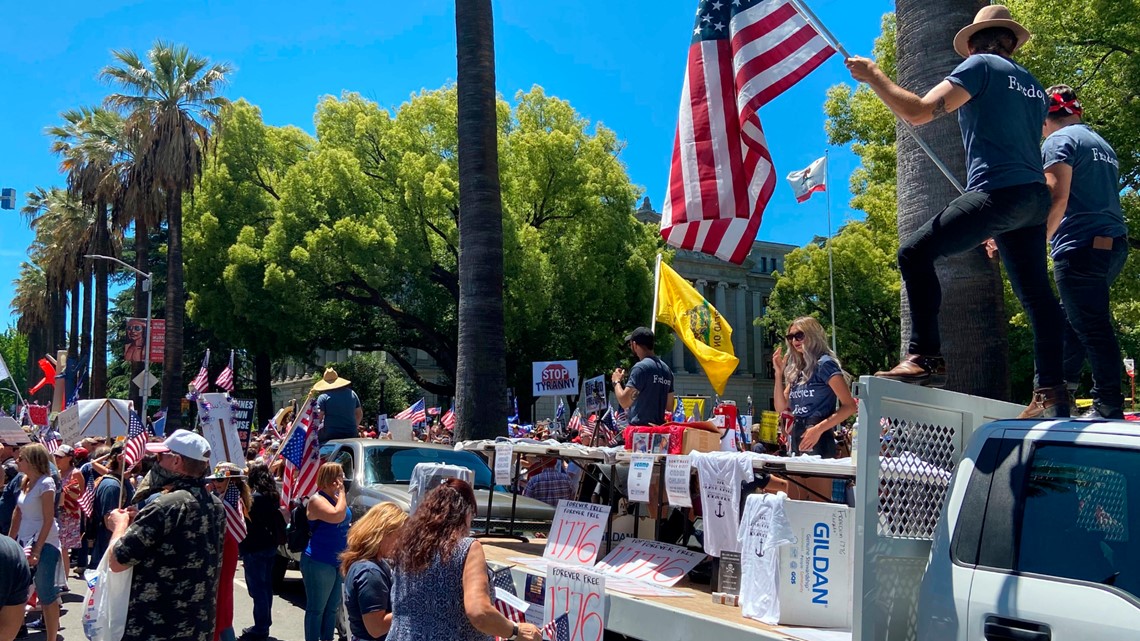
581	595
649	561
576	533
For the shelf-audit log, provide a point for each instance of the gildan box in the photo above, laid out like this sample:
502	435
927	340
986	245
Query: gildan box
817	569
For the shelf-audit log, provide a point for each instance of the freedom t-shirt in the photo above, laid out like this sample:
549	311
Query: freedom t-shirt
720	475
367	589
763	529
814	397
1001	123
1094	193
653	381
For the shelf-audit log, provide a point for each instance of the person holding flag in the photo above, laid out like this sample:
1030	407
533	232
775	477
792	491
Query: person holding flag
1001	109
228	484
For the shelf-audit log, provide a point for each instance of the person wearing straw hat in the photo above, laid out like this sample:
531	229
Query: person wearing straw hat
339	405
1001	108
220	481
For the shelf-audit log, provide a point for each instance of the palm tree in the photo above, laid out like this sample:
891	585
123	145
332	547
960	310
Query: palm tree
170	100
481	399
32	314
973	318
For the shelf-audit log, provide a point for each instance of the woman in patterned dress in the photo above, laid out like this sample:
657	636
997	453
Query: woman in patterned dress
67	514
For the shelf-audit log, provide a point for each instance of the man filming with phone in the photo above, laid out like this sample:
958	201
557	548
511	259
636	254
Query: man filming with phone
650	387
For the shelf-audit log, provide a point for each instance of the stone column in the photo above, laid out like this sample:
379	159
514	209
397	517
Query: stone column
678	353
740	332
758	337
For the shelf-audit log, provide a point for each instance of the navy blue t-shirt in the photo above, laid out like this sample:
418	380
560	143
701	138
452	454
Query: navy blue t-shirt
367	589
339	407
814	398
1094	194
653	380
1001	123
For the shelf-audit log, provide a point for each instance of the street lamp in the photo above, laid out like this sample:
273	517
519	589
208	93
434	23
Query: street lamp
145	389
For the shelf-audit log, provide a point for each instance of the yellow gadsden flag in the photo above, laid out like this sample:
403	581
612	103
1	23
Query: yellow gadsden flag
699	325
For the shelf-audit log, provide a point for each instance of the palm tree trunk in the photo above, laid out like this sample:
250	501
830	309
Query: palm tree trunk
263	375
73	326
972	319
172	384
99	348
85	332
481	399
142	263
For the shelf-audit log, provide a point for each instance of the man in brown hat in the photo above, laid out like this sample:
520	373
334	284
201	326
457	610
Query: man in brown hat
339	405
1001	108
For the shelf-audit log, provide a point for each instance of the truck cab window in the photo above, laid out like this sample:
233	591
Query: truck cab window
344	460
1077	521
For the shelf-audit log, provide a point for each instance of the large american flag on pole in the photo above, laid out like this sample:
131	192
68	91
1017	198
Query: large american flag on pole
201	382
302	458
225	380
415	413
743	54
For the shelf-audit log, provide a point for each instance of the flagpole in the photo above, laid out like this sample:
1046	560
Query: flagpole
830	260
656	291
813	20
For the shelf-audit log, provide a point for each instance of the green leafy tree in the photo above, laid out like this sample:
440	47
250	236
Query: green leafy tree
392	396
14	349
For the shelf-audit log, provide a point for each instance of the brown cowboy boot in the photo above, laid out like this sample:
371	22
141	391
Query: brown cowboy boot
918	370
1048	402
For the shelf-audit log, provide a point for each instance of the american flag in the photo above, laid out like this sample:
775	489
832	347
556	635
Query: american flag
575	423
51	444
201	382
434	411
87	499
743	54
448	419
74	397
511	606
235	512
679	413
558	629
226	378
621	419
415	413
137	437
503	580
302	458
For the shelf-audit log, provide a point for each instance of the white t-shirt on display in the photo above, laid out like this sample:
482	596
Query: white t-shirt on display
763	529
720	475
32	516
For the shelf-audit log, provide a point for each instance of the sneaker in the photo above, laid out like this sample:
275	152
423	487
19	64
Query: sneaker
249	634
38	624
929	371
1048	402
1101	411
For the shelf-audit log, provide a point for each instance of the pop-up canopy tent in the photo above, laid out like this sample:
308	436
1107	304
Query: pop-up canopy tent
106	417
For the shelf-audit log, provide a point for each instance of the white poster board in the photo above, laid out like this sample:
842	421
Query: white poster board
555	378
401	429
576	533
504	455
220	430
678	471
640	476
581	595
594	394
68	424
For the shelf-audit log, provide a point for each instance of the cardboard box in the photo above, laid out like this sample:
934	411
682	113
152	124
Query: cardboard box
817	569
696	440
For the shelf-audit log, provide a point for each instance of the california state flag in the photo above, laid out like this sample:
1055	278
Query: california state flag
697	323
806	182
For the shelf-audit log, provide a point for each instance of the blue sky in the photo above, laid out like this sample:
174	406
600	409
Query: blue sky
616	63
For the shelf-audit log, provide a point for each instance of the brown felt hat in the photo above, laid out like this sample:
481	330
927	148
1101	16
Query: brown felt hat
994	15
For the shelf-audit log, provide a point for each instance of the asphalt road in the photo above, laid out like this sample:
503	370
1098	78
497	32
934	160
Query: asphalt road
288	610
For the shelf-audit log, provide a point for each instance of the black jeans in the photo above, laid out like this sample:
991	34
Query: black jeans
1084	276
1015	218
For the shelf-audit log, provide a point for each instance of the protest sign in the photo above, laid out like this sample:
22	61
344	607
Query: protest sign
576	533
382	425
640	474
216	418
243	413
677	474
594	394
555	378
401	429
649	561
504	454
581	595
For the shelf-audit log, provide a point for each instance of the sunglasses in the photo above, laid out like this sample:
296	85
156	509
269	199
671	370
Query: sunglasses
798	336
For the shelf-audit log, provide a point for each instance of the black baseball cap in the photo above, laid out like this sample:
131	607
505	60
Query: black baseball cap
642	336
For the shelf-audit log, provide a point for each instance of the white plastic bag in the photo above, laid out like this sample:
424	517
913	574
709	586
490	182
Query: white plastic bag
108	595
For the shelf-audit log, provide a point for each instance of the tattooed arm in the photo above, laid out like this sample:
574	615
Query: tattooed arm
944	98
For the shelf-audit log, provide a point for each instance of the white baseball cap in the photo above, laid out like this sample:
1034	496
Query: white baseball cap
184	443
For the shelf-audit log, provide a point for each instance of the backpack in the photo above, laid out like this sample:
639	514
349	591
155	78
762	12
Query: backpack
298	533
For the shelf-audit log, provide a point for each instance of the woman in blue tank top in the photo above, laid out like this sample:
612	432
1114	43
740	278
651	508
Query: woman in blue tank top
329	520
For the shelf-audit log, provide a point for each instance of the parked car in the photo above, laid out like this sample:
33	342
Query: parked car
376	471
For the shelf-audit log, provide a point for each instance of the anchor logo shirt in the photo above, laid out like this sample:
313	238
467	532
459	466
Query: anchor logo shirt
763	529
720	475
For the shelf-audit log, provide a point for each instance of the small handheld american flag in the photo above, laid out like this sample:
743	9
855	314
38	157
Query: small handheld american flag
225	380
87	499
503	580
448	419
558	629
137	437
415	413
201	382
235	513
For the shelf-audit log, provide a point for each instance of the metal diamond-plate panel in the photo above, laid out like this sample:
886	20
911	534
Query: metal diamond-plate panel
916	462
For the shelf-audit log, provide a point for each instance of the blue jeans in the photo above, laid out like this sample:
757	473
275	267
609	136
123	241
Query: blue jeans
1015	218
322	598
1084	276
259	580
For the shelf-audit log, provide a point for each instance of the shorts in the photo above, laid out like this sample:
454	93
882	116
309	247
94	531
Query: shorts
46	589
